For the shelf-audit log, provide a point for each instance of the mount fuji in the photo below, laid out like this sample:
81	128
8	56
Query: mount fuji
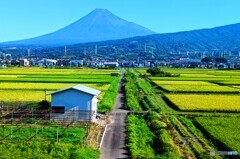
99	25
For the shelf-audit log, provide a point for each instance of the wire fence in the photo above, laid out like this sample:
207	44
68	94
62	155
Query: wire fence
24	123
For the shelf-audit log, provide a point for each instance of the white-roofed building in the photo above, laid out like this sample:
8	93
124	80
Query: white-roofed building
47	62
111	64
77	103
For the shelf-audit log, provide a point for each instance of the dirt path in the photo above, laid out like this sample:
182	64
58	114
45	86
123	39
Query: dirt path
114	146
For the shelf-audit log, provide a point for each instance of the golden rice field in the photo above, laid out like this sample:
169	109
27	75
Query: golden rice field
205	102
29	84
199	89
197	75
35	71
194	87
48	86
183	83
28	96
35	92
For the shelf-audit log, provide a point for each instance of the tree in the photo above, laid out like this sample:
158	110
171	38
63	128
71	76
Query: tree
160	73
206	59
44	105
220	59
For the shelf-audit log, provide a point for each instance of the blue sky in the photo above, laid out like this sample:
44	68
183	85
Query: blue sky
20	19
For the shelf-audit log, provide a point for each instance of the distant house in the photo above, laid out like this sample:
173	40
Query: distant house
3	66
111	64
24	62
47	62
77	103
75	63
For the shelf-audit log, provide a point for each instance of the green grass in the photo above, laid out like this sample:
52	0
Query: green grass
47	150
72	135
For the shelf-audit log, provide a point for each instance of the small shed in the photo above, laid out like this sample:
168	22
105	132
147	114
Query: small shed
77	103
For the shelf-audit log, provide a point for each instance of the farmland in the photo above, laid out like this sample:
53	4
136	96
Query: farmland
24	86
175	104
33	84
206	102
223	129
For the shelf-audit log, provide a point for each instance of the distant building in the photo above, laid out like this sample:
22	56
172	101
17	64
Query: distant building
47	62
24	62
76	63
3	66
77	103
111	64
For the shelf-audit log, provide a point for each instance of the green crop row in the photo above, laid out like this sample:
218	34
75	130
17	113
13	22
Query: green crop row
131	91
145	87
163	143
139	138
109	97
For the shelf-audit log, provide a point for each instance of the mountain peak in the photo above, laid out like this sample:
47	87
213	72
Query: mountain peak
100	10
98	25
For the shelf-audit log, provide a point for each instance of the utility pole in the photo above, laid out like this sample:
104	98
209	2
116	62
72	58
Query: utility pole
96	49
145	49
65	51
29	51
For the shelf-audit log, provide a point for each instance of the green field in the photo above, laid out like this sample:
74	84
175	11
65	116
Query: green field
223	129
29	84
32	85
181	98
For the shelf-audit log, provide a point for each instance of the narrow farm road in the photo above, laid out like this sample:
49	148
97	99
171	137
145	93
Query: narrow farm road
114	146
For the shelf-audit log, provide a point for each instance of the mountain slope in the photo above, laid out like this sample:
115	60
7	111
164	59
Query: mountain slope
99	25
218	38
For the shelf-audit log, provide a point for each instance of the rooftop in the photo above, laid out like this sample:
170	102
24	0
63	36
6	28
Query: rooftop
81	88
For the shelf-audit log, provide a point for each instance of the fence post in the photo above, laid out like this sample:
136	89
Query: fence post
3	132
30	131
11	131
57	134
32	115
12	116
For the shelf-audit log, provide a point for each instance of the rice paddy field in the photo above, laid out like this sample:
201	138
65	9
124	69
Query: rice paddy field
193	102
223	129
199	107
22	86
35	84
200	89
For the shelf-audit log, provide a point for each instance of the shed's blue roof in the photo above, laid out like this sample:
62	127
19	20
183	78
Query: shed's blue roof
81	88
